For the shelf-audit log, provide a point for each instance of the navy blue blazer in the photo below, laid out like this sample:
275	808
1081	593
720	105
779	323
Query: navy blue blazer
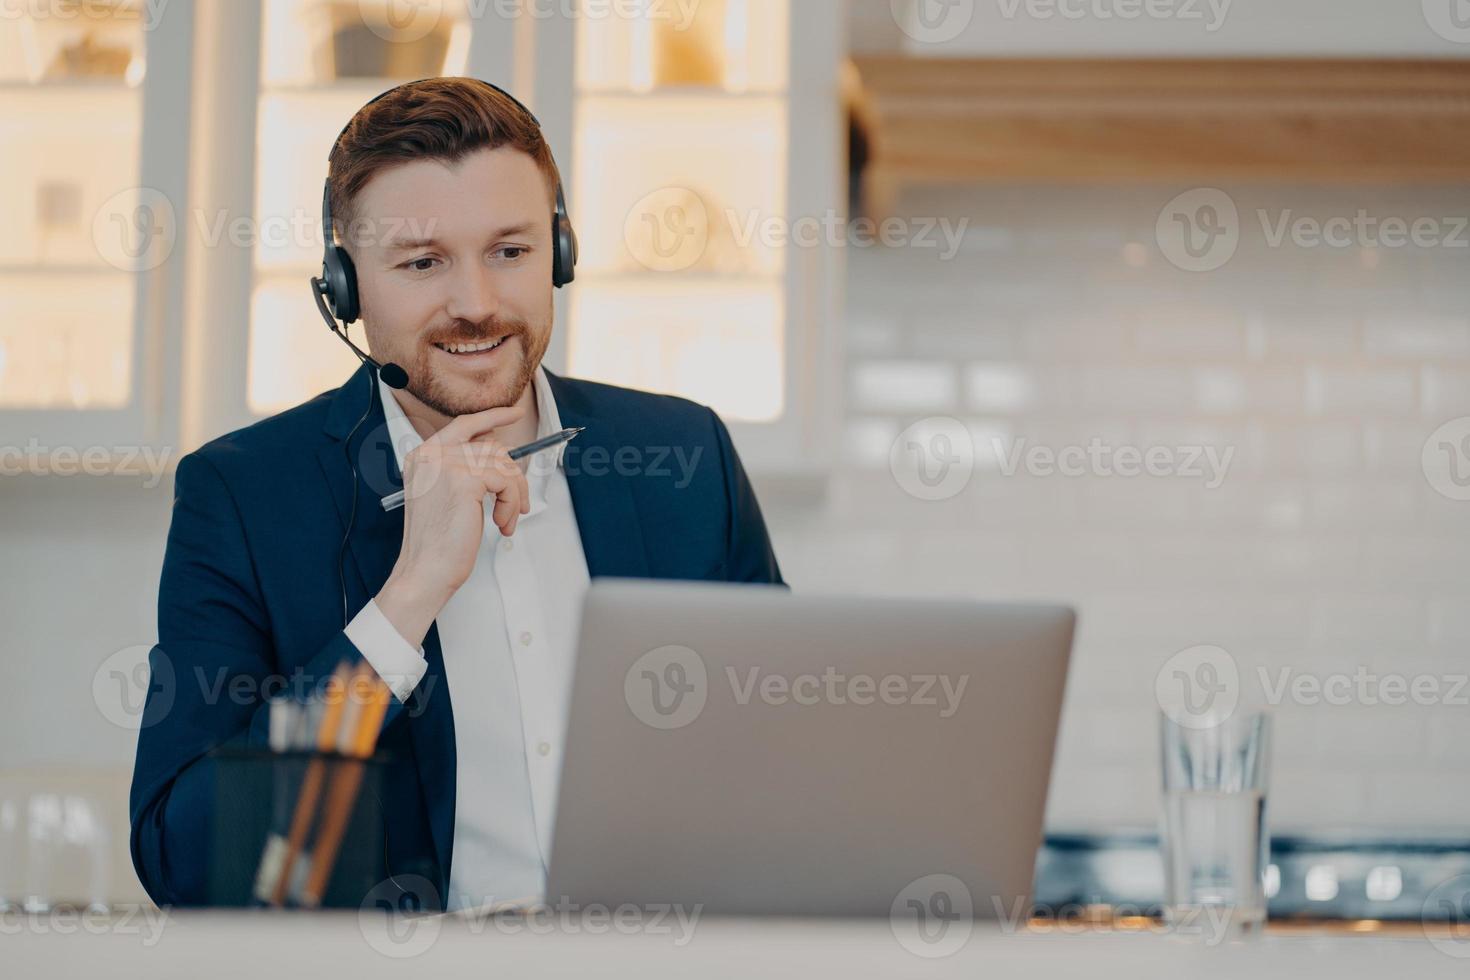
250	599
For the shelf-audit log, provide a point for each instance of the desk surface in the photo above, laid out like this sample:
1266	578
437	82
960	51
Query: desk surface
337	946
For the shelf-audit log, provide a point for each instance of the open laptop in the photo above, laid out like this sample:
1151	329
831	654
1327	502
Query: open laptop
754	751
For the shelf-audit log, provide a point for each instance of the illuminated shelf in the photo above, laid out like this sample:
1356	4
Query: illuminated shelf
74	355
68	270
67	86
733	45
304	102
697	151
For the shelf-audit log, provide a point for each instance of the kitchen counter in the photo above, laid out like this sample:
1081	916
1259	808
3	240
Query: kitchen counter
338	946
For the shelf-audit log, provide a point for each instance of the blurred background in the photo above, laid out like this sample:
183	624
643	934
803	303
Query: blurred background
915	253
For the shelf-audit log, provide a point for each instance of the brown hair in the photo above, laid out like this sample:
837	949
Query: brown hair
433	119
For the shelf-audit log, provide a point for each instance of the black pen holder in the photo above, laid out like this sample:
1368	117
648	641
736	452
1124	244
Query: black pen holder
256	796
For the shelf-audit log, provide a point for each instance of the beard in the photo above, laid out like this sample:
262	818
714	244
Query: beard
463	393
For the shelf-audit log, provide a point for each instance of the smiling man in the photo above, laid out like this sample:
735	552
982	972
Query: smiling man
281	564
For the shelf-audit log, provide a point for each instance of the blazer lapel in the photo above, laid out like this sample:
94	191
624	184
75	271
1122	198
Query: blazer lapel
376	538
602	499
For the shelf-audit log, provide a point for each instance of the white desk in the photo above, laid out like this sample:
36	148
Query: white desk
338	946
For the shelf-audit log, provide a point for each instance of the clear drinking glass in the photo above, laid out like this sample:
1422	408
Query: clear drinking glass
1213	835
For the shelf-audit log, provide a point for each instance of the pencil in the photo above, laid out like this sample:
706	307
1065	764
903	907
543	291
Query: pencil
374	695
311	786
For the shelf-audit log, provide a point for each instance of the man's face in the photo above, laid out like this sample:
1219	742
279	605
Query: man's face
451	255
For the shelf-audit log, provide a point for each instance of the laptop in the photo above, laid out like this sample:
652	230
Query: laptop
754	751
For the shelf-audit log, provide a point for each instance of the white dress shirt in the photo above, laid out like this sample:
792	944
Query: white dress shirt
509	642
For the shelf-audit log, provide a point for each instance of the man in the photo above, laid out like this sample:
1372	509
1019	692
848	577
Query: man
281	564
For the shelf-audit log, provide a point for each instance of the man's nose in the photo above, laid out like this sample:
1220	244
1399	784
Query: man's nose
473	294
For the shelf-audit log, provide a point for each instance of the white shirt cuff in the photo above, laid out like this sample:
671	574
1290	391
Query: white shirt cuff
399	665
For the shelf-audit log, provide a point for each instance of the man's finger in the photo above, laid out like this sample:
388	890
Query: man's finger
466	427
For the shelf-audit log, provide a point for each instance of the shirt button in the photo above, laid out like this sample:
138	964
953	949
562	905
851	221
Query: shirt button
544	748
525	639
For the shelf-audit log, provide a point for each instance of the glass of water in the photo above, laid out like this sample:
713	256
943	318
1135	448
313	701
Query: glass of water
1213	835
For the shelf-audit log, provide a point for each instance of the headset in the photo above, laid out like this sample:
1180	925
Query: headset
335	290
335	293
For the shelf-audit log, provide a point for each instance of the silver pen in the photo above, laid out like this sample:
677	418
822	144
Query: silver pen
394	500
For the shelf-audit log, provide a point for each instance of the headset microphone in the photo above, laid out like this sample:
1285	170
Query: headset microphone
393	375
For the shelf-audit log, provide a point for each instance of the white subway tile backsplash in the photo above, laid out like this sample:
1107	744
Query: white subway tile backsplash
1373	617
1360	504
1142	390
1334	448
868	442
1412	335
1446	393
1421	797
1191	333
1006	388
1323	549
1449	614
904	386
1387	391
1064	334
1283	335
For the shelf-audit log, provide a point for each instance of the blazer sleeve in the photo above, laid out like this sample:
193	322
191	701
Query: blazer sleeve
211	672
749	556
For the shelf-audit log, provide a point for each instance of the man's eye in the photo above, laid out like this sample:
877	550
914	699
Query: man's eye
420	265
517	249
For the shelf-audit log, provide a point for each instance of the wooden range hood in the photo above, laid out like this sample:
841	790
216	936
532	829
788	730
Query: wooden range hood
949	120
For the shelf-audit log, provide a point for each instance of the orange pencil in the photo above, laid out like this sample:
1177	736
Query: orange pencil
312	783
345	785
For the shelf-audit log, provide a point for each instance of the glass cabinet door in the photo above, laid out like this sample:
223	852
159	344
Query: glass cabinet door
321	60
78	229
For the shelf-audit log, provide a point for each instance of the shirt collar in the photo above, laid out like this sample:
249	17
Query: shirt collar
405	438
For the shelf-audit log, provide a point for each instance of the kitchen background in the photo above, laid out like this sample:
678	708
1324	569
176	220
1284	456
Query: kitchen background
879	393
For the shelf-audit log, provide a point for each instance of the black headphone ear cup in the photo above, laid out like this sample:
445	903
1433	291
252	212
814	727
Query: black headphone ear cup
341	278
565	261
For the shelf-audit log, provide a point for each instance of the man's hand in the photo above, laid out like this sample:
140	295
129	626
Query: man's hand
445	483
